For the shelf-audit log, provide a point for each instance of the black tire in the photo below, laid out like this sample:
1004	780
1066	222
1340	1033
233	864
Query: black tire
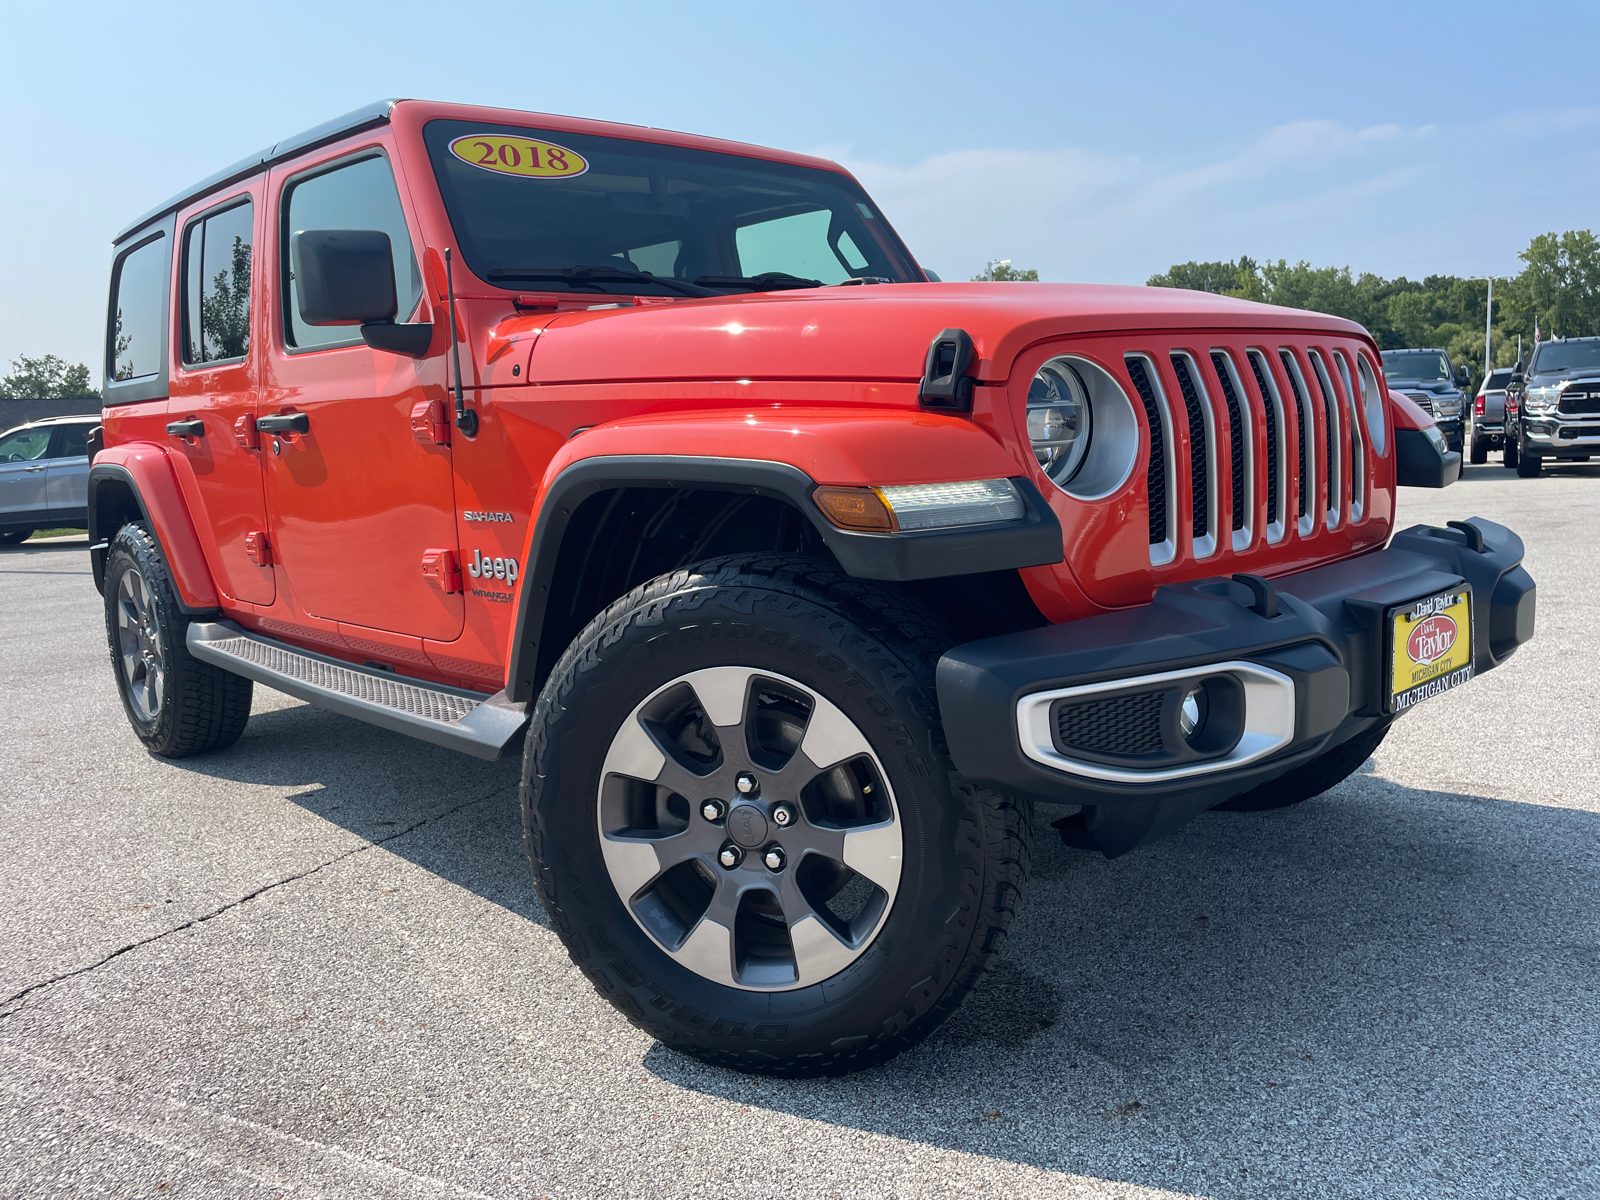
1528	465
177	704
869	653
1480	451
1317	776
1509	451
15	537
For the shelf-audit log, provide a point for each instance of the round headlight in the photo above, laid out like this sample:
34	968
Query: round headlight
1059	420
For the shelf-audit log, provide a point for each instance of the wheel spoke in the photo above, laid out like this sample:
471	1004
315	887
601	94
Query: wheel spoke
875	852
831	737
636	863
634	753
708	950
818	951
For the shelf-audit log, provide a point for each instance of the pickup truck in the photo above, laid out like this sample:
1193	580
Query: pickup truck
795	577
1428	378
1487	421
1553	408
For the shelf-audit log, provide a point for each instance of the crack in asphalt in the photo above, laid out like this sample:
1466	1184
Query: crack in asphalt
6	1006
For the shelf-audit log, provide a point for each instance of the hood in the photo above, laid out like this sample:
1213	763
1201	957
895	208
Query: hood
874	332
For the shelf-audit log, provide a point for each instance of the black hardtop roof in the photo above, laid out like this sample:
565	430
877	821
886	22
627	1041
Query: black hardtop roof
328	131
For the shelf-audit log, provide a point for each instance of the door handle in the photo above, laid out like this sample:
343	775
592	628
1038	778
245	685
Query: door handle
192	428
31	470
285	423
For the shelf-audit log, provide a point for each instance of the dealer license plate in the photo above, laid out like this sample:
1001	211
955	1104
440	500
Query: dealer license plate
1430	647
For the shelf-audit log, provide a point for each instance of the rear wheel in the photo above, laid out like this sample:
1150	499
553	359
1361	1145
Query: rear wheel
1528	465
1480	450
1323	772
15	537
746	828
176	704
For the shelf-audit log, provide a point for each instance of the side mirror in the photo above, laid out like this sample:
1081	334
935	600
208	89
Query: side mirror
1461	377
346	277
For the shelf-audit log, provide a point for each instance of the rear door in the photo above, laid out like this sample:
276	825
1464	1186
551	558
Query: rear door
67	476
358	500
23	463
214	378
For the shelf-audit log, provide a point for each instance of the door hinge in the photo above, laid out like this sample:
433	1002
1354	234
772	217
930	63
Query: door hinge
258	548
430	422
441	567
244	432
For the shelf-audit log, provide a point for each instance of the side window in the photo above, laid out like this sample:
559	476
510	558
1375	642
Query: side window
138	292
72	441
216	286
357	195
25	445
795	245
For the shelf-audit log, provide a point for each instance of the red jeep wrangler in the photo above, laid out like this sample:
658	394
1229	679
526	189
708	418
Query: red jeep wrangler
796	575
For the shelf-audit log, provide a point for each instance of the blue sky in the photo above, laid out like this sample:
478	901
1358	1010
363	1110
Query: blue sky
1097	142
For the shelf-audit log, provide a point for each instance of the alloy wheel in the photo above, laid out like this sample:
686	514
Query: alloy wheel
749	828
139	644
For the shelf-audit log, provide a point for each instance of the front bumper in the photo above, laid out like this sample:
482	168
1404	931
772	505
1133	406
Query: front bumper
1306	680
1561	436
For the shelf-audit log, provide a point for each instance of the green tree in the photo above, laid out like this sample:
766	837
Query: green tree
1563	282
47	378
1004	272
1219	278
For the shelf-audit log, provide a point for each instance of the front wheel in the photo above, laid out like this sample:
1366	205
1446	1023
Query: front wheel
745	825
177	704
1528	465
1509	451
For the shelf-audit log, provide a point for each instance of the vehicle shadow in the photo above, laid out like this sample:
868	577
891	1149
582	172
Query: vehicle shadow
1384	991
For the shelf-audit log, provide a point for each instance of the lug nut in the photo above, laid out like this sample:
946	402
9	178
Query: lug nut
746	783
712	810
774	858
783	816
730	856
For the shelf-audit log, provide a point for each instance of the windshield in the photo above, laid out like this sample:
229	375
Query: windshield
1422	365
1565	356
528	206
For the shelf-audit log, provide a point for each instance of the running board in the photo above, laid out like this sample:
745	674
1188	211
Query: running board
479	725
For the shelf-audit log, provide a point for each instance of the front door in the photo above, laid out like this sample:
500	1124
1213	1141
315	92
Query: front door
23	463
358	500
214	383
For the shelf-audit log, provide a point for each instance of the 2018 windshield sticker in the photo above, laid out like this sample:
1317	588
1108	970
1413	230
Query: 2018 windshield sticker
506	155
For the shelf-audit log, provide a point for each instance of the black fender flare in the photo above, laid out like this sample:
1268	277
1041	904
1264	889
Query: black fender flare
1033	541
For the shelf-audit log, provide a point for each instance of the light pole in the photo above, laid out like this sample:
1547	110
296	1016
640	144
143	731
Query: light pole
1488	324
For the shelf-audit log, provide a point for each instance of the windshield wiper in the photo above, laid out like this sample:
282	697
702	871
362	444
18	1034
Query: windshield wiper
769	281
579	275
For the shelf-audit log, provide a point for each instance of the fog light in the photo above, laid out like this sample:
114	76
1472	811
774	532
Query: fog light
1192	713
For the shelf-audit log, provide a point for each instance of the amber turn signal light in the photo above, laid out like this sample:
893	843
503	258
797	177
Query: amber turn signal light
855	508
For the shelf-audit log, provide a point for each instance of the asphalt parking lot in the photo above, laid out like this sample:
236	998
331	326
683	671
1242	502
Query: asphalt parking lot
314	965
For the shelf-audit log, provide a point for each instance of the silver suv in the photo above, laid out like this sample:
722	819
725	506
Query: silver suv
44	477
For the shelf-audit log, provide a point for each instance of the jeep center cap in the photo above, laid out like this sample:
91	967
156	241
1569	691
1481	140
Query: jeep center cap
747	824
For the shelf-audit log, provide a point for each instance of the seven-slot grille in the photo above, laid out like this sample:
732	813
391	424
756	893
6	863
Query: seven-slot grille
1306	405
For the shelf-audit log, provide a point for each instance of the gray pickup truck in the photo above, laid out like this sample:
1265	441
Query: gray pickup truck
1487	421
1429	378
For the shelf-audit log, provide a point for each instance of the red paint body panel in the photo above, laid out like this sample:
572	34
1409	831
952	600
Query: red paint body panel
163	503
823	379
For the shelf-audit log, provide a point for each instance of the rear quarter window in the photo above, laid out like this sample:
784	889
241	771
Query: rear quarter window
136	312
